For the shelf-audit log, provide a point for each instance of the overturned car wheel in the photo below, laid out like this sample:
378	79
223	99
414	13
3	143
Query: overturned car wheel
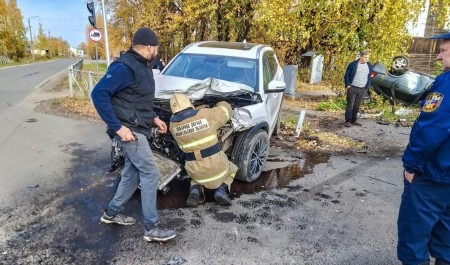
399	65
250	154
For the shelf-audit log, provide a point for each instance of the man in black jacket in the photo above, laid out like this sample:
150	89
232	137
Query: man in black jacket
124	100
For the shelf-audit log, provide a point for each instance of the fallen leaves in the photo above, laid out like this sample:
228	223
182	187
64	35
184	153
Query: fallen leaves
75	106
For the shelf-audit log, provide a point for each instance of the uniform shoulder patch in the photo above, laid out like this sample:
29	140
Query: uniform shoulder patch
432	102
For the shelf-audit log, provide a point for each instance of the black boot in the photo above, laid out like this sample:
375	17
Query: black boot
221	195
441	262
194	196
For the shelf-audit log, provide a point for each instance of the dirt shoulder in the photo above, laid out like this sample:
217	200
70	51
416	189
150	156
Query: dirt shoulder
325	132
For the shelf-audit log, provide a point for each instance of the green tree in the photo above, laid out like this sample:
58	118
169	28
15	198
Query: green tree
337	29
41	42
12	30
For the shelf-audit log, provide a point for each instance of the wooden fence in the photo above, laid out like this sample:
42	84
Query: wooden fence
421	45
422	54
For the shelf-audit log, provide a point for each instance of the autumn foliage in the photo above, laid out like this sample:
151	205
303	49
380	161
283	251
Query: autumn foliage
337	29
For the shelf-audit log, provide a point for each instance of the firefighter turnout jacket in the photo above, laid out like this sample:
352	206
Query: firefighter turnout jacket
195	132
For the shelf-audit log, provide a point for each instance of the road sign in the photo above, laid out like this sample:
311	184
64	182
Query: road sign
95	35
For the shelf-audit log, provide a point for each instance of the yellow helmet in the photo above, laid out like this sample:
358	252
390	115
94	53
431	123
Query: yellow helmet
179	102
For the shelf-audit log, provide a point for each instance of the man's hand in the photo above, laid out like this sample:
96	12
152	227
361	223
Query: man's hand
126	135
409	176
162	127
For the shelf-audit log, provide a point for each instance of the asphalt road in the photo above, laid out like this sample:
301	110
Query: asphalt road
35	147
310	209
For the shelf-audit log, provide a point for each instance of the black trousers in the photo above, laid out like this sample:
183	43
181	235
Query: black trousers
355	96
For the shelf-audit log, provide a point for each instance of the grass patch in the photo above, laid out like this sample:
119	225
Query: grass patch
92	67
25	61
376	106
333	104
290	122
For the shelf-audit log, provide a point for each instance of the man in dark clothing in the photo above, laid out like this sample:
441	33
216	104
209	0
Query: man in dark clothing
357	82
424	216
124	100
158	63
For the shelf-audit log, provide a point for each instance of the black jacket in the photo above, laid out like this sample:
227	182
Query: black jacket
133	106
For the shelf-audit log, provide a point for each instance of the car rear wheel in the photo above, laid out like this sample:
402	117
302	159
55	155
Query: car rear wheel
250	154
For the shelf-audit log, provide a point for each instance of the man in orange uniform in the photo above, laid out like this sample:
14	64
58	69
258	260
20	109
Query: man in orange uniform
195	131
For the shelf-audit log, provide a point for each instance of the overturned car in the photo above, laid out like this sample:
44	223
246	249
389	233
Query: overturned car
247	76
400	83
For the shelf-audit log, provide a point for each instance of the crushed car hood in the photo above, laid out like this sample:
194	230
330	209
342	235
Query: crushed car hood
195	89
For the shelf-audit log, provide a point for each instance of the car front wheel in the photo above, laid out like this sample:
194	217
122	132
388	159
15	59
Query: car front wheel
250	154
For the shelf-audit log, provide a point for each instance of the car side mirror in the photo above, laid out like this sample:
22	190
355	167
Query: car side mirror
156	71
275	86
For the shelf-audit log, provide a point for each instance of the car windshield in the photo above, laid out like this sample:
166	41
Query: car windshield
202	66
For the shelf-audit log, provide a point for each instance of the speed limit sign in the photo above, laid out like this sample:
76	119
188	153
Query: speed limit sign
95	35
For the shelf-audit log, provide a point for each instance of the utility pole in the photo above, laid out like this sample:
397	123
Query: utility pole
106	34
31	37
4	51
49	44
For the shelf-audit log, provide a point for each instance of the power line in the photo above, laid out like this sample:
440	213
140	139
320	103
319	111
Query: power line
77	30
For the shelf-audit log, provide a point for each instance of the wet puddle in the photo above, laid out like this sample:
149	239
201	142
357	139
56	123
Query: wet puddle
281	171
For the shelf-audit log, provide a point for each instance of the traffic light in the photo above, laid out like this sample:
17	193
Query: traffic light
92	19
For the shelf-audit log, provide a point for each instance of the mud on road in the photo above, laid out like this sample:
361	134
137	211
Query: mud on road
294	214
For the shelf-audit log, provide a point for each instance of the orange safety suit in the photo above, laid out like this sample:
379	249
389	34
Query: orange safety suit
198	133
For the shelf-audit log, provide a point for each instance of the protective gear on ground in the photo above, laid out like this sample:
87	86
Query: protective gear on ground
195	132
180	102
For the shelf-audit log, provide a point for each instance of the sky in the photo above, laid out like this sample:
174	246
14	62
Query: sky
67	19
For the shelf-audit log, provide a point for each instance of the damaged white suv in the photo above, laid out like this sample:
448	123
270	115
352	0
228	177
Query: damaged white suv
246	75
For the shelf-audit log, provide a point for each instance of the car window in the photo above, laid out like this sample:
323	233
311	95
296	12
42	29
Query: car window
198	66
266	71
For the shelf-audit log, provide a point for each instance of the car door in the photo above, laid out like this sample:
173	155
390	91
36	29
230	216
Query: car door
271	70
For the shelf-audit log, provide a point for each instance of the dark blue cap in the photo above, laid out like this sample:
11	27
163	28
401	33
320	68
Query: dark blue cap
443	36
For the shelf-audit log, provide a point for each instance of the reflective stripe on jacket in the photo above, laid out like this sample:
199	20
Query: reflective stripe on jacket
198	132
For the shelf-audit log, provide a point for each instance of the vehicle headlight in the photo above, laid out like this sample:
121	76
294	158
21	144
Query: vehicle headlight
241	118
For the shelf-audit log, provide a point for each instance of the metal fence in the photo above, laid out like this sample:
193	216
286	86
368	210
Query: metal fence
82	82
4	59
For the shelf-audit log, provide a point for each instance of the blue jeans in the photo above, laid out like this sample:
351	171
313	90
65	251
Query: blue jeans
424	222
140	166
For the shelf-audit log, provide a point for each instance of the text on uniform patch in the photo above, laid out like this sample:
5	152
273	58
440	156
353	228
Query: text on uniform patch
192	127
